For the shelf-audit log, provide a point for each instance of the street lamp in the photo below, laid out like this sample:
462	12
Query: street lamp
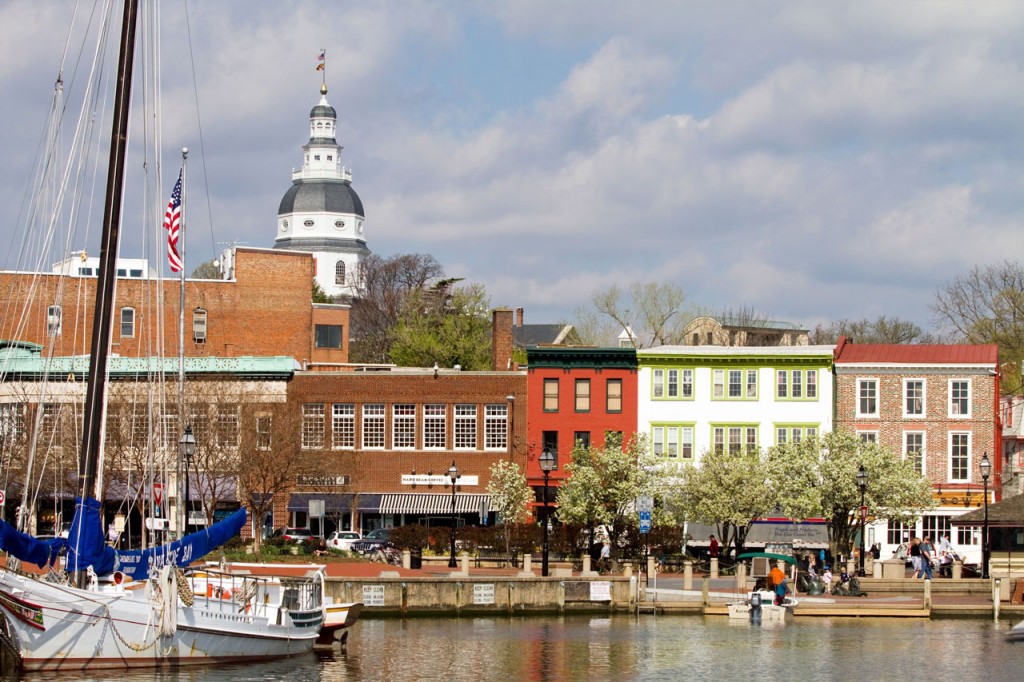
547	464
986	469
186	447
453	474
862	483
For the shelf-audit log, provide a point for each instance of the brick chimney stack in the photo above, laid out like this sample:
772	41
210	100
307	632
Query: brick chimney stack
501	340
519	317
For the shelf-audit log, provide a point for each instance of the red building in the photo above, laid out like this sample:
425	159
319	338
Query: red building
575	394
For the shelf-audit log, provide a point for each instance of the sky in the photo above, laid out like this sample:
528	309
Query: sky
813	160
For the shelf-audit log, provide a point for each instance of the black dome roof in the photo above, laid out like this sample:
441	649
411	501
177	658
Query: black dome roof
323	111
314	196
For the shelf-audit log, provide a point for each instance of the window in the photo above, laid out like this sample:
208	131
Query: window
868	436
733	384
687	383
199	325
496	426
312	426
435	427
53	315
373	426
672	441
227	426
343	426
551	395
403	426
913	397
339	271
896	533
737	438
796	384
549	442
583	395
465	427
867	397
328	336
613	395
581	438
959	456
658	383
686	442
795	433
913	449
968	536
12	423
127	322
959	398
936	526
673	383
264	426
135	273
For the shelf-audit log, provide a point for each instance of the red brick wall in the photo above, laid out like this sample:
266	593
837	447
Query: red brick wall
501	340
937	424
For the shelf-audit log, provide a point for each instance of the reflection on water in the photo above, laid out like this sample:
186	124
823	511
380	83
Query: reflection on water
624	648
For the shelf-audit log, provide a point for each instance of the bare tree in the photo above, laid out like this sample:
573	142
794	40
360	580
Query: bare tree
881	330
386	284
986	305
654	314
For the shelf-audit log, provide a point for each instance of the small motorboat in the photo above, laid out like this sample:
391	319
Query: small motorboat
765	601
337	618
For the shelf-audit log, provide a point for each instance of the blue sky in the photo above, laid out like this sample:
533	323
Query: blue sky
812	159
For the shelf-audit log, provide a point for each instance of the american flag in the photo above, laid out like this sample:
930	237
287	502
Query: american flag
172	223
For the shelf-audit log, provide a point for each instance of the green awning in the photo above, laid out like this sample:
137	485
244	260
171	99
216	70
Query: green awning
767	555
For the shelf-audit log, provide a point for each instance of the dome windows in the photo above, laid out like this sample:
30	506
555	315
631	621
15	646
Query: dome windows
309	223
339	273
339	224
284	225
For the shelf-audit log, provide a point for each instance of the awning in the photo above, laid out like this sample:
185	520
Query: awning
335	503
427	503
808	535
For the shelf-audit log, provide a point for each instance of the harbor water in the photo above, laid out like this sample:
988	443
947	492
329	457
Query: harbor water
628	648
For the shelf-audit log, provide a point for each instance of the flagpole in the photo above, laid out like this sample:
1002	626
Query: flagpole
182	512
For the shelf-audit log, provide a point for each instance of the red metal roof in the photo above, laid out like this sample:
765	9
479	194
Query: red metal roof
945	354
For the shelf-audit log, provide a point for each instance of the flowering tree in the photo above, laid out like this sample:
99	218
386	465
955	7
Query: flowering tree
510	496
818	479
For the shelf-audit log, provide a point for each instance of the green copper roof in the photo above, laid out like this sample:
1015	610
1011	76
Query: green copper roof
247	366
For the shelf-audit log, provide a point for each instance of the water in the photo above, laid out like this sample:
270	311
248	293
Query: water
619	648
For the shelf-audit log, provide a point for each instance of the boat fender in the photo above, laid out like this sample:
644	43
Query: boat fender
118	577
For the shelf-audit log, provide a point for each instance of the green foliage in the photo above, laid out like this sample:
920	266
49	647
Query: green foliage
319	295
455	331
604	484
523	537
569	539
819	479
206	270
510	496
730	489
409	537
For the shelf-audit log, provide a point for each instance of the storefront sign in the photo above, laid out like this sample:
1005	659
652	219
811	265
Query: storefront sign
959	498
438	479
483	594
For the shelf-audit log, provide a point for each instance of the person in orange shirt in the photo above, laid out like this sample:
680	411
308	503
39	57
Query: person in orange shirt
775	577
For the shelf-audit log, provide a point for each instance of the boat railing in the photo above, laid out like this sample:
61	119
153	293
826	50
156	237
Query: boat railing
237	594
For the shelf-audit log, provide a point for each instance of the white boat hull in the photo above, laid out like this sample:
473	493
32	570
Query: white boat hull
57	627
770	613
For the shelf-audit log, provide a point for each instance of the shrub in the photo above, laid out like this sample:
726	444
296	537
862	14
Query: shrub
409	537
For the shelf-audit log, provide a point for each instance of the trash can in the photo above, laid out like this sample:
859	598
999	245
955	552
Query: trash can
416	557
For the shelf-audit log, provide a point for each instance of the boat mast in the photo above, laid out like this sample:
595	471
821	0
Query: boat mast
182	470
95	397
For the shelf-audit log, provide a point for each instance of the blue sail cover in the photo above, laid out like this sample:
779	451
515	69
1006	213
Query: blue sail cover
27	548
137	563
86	542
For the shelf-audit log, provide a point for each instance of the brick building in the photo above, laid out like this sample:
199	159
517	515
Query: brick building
938	404
575	394
263	307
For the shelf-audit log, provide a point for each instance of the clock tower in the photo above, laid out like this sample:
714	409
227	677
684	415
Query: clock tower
321	213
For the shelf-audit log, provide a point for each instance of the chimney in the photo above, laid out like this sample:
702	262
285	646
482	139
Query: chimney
501	340
519	317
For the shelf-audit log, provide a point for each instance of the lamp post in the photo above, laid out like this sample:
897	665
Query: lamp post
453	474
986	469
862	483
186	447
547	464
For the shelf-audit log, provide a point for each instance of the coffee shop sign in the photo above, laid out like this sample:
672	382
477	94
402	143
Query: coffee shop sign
438	479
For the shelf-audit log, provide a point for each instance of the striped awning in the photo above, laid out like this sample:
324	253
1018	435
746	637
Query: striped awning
426	503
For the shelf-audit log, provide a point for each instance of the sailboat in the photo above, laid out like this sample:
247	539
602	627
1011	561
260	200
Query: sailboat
138	608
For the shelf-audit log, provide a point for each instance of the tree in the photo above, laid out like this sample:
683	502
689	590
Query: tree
319	295
207	270
604	483
448	330
731	490
818	479
386	282
510	496
881	330
986	305
654	312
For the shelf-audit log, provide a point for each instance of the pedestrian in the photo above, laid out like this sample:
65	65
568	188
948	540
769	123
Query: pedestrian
915	556
826	580
876	551
944	545
775	576
821	559
781	590
927	555
604	563
712	547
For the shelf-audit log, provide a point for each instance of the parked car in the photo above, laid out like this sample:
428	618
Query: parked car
294	534
373	540
343	539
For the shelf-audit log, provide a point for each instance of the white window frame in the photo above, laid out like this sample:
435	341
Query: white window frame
403	426
968	457
949	402
435	426
466	435
924	398
860	383
312	426
496	427
868	436
343	426
130	324
921	456
374	418
657	384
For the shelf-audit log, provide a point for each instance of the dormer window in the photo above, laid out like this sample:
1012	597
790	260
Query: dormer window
330	158
316	157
